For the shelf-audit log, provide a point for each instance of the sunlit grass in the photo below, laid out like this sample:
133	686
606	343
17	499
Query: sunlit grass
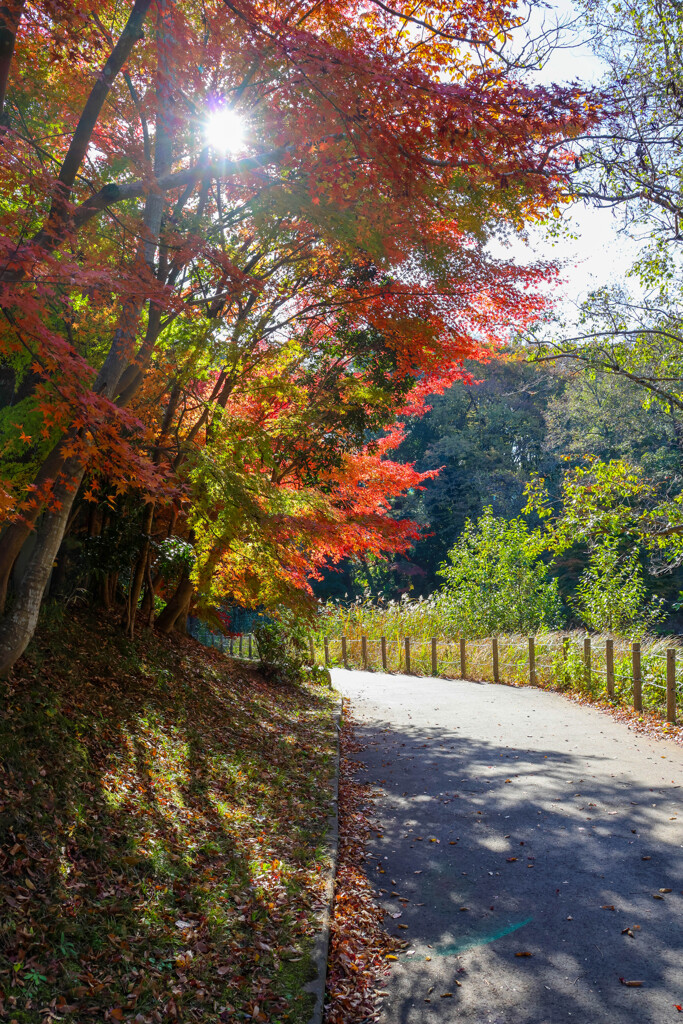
559	657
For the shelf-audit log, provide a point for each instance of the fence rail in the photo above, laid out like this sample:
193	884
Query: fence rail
614	668
238	645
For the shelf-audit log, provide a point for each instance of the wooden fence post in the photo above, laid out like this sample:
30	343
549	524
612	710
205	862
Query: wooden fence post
249	645
463	660
494	645
344	660
364	652
383	645
407	648
241	639
327	650
587	659
671	685
232	645
637	678
435	667
609	667
532	661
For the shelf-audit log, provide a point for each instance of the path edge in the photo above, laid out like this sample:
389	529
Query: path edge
321	944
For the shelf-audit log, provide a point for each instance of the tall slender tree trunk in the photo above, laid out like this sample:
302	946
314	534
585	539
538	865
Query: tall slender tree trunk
141	567
148	599
14	535
10	16
18	626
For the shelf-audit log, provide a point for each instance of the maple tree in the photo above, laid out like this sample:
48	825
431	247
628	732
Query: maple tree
146	268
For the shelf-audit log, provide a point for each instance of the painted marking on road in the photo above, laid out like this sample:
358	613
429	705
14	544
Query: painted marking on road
472	942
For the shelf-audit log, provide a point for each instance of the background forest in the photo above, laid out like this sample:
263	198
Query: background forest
489	440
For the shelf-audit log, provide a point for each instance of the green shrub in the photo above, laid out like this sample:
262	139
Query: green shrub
283	646
496	581
612	594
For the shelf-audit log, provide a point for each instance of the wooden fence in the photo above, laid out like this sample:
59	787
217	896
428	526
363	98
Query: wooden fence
642	675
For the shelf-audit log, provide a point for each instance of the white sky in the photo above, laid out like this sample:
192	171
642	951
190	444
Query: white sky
598	254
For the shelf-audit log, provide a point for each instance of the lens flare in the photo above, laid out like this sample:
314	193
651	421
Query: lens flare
225	131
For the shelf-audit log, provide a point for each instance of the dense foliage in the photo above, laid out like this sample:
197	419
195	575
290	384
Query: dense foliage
238	241
496	580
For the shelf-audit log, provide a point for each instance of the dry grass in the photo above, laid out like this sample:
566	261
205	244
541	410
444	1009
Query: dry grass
559	657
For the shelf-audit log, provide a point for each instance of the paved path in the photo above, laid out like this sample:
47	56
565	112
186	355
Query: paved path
507	819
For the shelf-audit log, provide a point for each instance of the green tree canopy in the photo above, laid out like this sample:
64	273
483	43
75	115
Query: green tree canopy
496	580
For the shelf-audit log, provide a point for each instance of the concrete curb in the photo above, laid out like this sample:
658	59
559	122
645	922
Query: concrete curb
321	944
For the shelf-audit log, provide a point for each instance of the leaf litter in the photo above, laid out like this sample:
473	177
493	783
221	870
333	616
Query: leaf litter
163	812
360	948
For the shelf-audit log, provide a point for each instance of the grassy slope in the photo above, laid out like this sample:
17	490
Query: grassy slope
162	820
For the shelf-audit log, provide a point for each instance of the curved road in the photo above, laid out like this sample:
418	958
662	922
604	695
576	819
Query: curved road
513	821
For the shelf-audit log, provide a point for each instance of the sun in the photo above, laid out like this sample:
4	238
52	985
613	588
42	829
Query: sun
225	131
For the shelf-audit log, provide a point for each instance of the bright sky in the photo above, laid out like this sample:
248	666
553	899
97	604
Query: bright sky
598	254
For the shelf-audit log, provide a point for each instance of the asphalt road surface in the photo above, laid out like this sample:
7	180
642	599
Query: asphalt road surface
512	821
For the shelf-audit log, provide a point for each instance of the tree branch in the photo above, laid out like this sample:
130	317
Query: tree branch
10	16
80	140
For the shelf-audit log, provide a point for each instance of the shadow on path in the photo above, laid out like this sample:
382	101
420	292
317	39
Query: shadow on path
500	848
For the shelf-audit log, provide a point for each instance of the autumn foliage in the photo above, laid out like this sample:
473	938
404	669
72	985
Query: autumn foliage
215	340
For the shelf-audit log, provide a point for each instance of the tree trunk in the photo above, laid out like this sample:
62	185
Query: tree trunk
11	542
113	586
17	627
10	16
178	605
181	621
15	535
151	585
139	573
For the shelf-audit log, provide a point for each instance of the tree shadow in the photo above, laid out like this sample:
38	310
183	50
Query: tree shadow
501	851
161	834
